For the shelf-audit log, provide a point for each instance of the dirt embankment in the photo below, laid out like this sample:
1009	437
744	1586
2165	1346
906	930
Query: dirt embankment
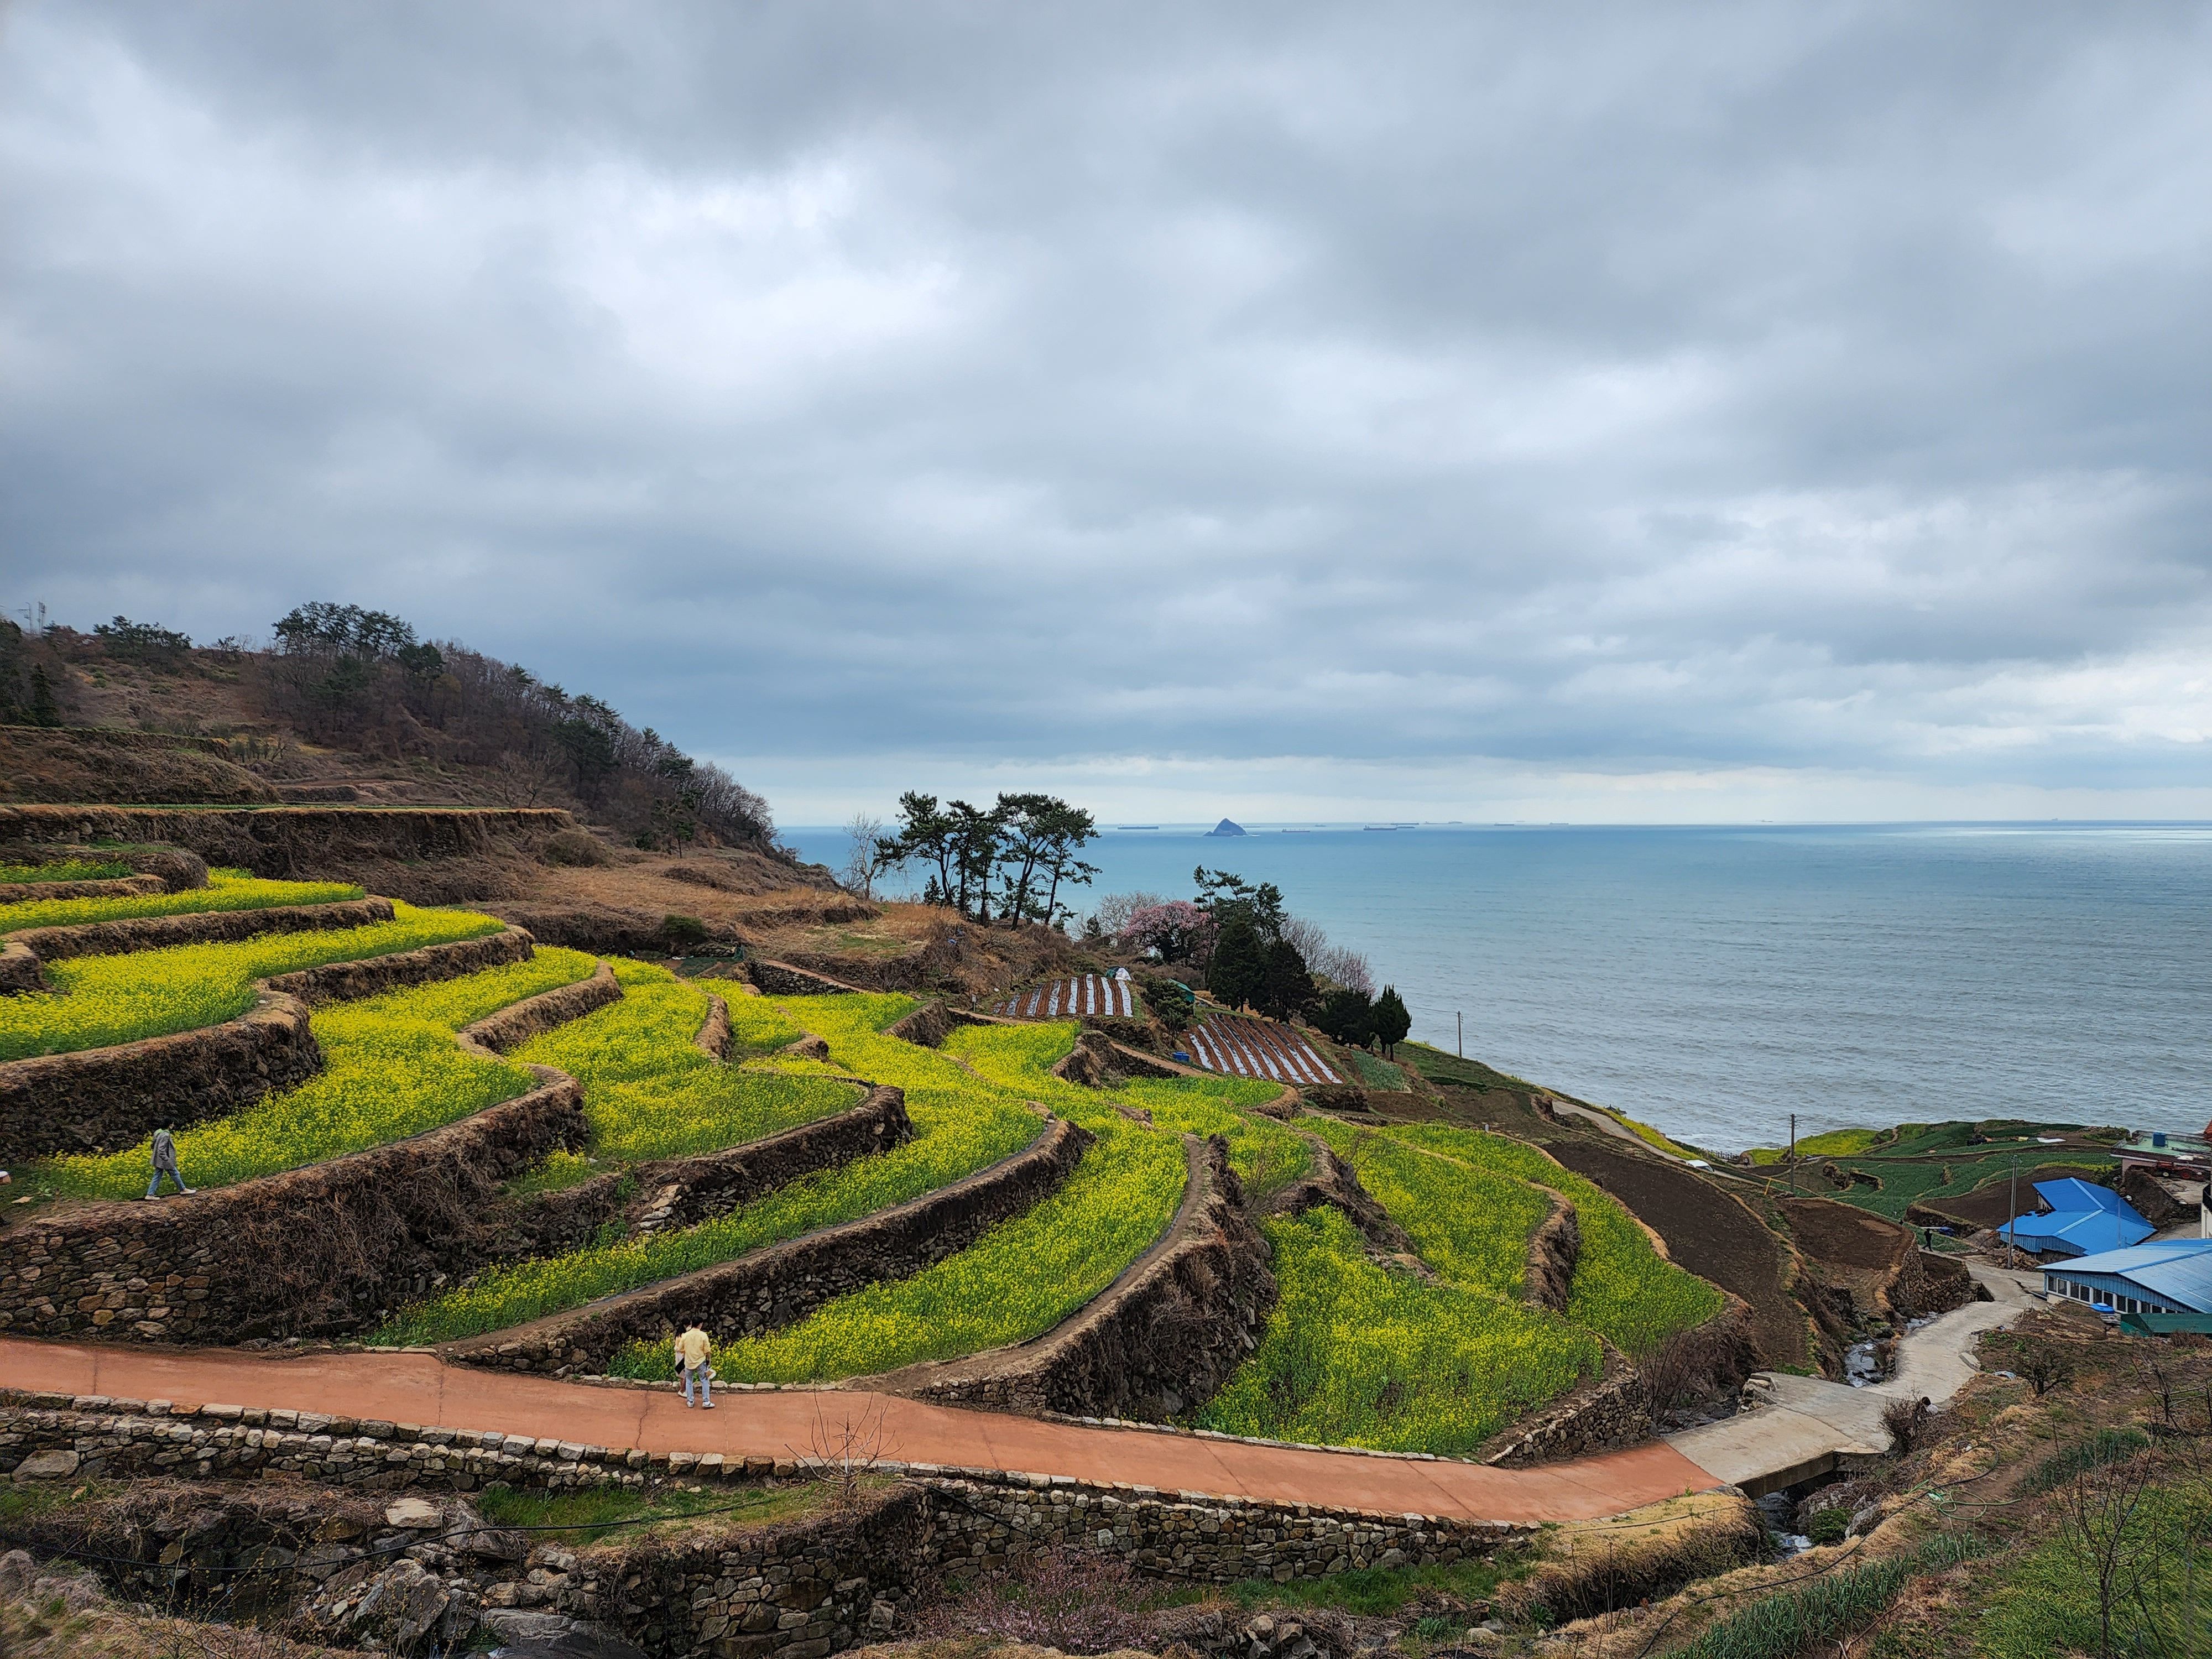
1876	1261
1708	1231
86	764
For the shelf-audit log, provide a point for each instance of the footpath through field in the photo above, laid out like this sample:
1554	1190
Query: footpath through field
421	1388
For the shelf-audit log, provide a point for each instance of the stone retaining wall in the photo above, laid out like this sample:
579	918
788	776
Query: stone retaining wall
681	1192
101	1100
284	840
780	978
1163	1339
783	1283
715	1035
972	1518
30	892
516	1023
103	938
321	1249
1330	1182
19	970
349	981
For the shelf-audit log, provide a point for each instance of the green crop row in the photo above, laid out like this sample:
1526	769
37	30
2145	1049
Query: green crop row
99	1002
226	890
64	870
390	1069
1266	1156
1361	1355
1624	1289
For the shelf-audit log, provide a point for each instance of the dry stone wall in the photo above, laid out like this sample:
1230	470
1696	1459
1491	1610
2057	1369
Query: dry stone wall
682	1192
104	939
1163	1338
516	1023
287	841
101	1100
780	978
936	1518
349	981
318	1250
777	1286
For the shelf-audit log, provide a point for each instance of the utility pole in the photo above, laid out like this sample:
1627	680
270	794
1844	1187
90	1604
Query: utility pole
1462	1018
2011	1225
1793	1154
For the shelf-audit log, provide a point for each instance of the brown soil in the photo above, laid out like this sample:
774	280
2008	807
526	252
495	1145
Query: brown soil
123	766
1706	1231
1991	1206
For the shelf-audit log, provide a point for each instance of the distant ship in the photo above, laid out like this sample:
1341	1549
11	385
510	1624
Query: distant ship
1379	827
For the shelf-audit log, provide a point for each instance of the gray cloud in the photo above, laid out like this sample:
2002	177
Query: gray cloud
1657	391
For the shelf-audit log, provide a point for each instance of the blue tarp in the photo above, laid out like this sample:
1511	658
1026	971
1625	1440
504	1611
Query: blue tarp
2084	1219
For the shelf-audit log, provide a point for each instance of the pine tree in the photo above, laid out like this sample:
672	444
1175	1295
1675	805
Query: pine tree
1392	1022
1238	973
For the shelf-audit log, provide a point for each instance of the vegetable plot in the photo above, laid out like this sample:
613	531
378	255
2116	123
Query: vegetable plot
1256	1048
1085	996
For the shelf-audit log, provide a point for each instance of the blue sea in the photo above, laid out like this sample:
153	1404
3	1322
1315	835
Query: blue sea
1713	979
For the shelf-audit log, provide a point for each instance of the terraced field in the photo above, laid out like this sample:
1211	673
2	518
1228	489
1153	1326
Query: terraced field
99	1001
1362	1350
226	890
1242	1047
1080	996
1370	1353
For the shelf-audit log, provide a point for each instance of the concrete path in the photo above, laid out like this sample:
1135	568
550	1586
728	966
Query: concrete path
1809	1425
421	1388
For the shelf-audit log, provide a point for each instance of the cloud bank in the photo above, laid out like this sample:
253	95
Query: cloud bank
1662	412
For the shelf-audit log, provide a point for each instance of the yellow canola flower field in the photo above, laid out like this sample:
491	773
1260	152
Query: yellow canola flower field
1024	1276
651	1092
226	890
390	1069
960	1128
1360	1354
100	1001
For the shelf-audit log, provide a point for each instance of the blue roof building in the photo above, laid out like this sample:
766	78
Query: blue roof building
2084	1219
2172	1276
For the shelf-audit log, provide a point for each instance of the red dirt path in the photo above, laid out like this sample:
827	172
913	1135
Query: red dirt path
420	1389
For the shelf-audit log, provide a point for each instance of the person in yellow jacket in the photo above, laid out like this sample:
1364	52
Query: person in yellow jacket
692	1349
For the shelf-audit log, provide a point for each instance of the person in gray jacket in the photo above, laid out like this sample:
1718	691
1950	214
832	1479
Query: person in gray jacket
165	1163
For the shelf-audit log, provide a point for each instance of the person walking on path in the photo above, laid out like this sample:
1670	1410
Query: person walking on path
165	1163
692	1349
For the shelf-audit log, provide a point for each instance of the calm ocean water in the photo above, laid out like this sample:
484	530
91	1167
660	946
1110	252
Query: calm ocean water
1713	979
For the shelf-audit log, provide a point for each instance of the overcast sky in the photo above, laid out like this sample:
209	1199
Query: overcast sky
1464	410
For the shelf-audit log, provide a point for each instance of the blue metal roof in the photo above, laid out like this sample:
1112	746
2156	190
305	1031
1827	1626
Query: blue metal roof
2083	1218
2177	1270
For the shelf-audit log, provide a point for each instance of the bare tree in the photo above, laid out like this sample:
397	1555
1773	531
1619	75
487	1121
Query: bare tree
865	856
846	1451
2102	1522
